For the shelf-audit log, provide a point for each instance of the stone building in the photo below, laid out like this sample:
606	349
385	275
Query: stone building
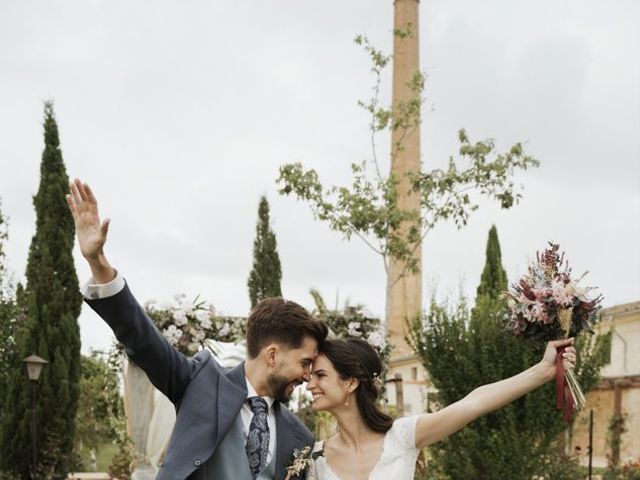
618	394
417	390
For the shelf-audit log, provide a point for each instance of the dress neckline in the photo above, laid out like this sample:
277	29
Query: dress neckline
375	466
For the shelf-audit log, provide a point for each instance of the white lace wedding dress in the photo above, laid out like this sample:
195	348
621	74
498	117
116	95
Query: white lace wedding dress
397	460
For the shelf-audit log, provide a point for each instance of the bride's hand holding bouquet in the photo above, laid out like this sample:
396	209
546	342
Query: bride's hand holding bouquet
547	304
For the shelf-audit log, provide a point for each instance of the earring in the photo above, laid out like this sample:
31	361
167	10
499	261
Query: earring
346	404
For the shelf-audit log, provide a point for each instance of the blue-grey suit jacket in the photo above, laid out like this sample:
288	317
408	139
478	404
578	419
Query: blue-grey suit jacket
207	397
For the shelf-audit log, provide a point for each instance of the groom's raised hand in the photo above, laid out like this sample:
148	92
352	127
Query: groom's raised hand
91	233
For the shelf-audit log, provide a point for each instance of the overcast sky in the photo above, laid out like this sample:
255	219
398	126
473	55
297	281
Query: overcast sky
178	114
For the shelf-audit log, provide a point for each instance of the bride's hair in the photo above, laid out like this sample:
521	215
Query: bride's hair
355	358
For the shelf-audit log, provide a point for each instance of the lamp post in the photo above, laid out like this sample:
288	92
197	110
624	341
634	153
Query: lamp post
34	366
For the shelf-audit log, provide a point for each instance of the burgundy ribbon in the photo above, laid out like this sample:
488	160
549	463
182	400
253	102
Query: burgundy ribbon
564	399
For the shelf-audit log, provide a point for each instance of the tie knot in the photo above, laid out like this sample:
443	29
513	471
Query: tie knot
258	405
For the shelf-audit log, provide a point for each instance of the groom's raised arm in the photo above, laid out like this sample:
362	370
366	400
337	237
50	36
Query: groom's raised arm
111	298
433	427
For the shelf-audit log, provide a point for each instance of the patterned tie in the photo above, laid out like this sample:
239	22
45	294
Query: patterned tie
258	439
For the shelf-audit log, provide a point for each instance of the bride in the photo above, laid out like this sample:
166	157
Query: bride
369	444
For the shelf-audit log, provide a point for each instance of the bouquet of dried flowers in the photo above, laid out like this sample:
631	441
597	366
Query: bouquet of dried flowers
547	304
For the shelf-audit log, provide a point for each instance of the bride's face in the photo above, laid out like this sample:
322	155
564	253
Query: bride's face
328	389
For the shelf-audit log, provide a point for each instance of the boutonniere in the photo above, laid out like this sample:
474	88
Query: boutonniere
301	461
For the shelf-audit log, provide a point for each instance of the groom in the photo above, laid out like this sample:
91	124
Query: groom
230	423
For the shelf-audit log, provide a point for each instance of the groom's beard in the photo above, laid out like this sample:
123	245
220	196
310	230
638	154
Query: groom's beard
279	386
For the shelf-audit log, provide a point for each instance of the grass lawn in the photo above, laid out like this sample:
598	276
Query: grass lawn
104	456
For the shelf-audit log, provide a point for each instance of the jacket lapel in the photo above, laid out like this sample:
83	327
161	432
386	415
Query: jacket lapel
287	440
232	392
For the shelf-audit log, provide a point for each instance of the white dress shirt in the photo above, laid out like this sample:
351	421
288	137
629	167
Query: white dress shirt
94	291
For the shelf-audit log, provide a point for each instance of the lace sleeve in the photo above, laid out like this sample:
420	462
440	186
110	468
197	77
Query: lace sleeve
404	432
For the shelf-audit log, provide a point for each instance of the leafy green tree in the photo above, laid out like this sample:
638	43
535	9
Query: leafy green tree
463	349
100	417
98	404
121	462
52	303
368	208
266	274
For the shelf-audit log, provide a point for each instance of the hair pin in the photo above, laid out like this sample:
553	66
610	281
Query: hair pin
377	381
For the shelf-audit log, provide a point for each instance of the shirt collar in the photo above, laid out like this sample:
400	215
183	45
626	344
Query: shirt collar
251	392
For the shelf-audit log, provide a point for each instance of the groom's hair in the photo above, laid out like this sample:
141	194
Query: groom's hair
283	322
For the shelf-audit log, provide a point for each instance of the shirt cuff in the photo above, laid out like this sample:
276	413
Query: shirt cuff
95	291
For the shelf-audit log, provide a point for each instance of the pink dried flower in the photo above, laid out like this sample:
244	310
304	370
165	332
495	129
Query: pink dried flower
562	294
547	288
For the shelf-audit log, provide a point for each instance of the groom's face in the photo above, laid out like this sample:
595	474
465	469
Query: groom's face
292	368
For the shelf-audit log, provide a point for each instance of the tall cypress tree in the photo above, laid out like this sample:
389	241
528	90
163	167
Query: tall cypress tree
52	303
493	280
265	276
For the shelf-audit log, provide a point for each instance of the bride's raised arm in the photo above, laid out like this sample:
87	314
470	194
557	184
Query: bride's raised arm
432	427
